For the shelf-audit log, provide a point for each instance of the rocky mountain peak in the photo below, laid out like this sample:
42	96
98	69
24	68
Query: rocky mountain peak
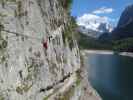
126	17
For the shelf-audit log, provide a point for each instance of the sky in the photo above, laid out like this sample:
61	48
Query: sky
109	9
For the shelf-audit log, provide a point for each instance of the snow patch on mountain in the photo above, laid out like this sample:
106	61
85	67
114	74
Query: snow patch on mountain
95	22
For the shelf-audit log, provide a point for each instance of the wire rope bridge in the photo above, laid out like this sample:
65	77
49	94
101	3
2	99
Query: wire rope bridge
41	40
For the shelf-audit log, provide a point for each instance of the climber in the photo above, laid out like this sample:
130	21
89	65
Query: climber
45	44
1	27
20	74
46	41
50	38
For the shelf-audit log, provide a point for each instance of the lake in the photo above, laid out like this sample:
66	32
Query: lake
111	76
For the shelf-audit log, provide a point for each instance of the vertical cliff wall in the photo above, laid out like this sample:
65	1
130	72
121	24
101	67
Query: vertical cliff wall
29	71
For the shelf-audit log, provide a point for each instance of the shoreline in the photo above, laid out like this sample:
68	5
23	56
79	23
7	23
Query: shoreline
109	52
89	93
98	51
128	54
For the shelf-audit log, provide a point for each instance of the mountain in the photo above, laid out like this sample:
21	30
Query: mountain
93	25
89	32
122	36
95	32
126	17
124	28
88	42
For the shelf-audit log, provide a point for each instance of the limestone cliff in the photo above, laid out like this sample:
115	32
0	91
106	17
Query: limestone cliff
28	71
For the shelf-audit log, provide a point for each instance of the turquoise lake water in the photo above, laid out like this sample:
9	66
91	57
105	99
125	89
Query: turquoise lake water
111	76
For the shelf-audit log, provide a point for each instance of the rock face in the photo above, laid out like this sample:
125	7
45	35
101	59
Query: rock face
28	71
124	28
126	17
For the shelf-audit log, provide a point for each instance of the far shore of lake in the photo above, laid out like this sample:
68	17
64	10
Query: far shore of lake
99	51
129	54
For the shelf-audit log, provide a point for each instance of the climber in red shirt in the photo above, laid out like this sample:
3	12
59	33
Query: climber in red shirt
45	44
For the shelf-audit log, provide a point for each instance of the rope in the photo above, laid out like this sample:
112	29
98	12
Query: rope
19	34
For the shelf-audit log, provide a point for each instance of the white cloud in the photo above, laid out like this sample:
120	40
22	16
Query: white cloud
103	10
92	21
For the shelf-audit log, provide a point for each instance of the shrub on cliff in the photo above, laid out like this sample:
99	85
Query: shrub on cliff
66	3
70	32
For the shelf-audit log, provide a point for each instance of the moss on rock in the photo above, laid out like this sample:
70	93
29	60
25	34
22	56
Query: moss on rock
1	97
23	88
